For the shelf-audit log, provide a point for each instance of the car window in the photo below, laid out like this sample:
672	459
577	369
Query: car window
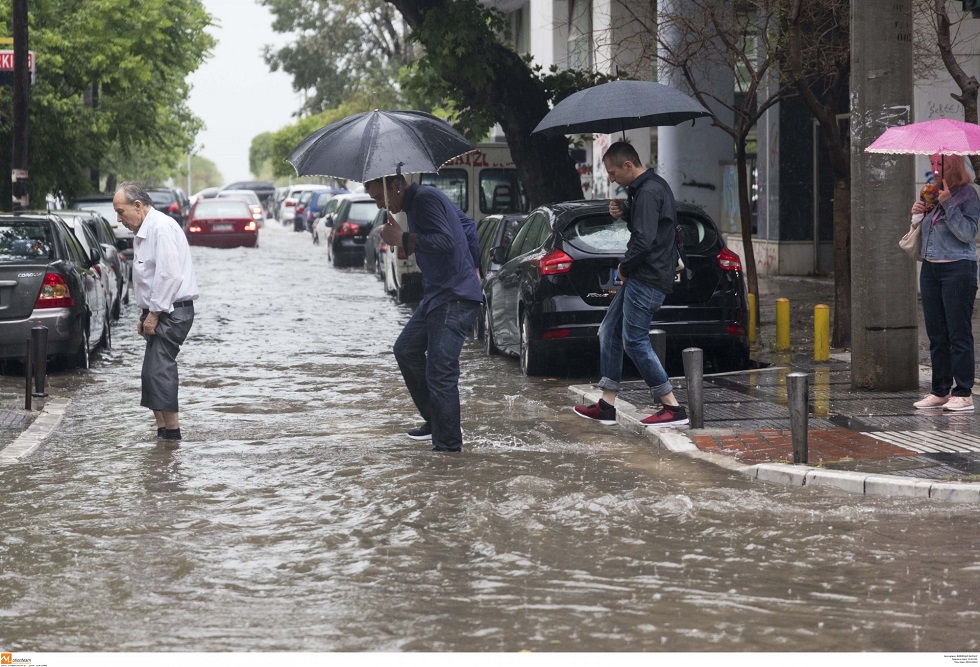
161	198
699	235
362	211
76	250
216	208
511	227
452	182
501	191
25	241
485	228
83	232
598	233
531	235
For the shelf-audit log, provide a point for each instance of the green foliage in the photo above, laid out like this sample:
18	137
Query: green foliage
135	56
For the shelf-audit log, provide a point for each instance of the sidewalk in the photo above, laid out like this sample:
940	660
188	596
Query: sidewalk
859	441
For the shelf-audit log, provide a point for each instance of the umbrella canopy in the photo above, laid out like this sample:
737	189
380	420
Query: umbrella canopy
378	143
618	106
943	136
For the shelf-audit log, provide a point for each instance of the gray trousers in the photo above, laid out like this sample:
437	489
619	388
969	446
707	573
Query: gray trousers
159	375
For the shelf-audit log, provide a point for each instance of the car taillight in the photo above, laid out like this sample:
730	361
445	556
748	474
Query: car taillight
554	262
300	208
174	208
348	229
729	261
556	334
736	330
194	229
289	203
54	293
250	226
98	270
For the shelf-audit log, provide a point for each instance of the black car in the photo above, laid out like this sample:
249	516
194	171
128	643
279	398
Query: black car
171	201
348	220
264	190
47	279
497	231
560	274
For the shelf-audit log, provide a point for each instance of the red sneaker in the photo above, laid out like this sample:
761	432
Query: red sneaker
605	416
669	415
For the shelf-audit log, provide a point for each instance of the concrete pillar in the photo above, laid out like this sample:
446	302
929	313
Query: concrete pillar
691	158
884	331
542	13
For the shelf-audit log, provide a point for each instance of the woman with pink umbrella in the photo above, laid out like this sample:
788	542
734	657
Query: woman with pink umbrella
948	283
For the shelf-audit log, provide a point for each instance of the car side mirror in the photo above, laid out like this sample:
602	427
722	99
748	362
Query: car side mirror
122	245
498	254
94	258
328	219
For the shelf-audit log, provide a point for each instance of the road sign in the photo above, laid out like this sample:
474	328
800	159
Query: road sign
7	67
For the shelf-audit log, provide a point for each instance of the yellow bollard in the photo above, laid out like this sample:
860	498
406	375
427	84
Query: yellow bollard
782	325
821	332
752	322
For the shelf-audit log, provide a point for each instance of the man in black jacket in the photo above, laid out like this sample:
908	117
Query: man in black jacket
647	272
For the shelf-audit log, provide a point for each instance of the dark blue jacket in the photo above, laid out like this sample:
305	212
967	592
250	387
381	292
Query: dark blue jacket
445	244
651	253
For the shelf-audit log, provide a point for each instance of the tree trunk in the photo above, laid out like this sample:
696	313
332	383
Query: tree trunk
517	99
969	87
745	215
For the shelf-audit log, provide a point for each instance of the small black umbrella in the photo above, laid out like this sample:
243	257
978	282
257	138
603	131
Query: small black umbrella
618	106
378	143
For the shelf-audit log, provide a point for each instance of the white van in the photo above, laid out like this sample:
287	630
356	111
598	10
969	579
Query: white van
482	182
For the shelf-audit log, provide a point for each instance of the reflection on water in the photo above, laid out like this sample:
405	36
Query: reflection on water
296	516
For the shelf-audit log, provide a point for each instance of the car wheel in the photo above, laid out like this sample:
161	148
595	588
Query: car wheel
81	358
532	361
488	344
116	308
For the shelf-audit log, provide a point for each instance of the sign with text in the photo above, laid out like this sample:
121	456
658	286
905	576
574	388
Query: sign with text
7	67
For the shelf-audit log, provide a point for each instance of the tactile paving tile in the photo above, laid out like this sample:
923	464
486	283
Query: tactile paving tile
931	442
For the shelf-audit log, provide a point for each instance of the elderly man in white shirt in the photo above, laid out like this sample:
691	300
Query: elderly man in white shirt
165	289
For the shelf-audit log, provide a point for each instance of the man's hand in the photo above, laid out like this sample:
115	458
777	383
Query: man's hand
617	207
149	325
392	232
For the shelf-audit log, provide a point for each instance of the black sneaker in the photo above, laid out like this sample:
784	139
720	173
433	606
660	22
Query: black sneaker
669	415
423	432
601	412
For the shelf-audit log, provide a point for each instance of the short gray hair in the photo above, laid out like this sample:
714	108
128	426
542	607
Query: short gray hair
134	192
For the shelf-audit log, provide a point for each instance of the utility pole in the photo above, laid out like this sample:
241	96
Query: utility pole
884	330
21	94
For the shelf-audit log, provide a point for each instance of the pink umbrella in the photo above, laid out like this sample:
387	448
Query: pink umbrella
943	136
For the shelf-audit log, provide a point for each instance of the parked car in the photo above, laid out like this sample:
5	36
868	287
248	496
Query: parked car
93	232
344	227
287	211
102	204
47	279
250	198
110	291
222	223
262	189
171	201
301	218
495	231
374	245
314	206
560	274
206	193
402	276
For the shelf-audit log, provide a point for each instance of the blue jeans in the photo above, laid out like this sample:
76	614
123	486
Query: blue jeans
948	291
427	351
626	327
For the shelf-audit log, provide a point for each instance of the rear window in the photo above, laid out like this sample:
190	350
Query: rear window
363	211
161	198
501	191
598	233
250	197
218	208
25	242
699	235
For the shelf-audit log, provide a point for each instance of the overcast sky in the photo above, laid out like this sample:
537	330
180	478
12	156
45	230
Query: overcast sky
234	93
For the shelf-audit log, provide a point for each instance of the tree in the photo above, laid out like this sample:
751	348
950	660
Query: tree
817	61
110	88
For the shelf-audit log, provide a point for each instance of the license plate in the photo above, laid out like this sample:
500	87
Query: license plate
222	228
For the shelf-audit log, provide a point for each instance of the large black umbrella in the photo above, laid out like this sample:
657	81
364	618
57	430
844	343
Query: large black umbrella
618	106
378	143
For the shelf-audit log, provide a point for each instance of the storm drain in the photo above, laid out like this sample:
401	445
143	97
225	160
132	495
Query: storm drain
930	442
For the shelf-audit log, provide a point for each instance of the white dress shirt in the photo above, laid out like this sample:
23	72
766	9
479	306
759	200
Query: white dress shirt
162	270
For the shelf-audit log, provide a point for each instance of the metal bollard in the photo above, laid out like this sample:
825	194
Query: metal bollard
28	371
797	398
658	338
753	325
39	349
821	332
782	325
694	373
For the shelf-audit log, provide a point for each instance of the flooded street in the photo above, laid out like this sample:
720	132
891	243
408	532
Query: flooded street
296	516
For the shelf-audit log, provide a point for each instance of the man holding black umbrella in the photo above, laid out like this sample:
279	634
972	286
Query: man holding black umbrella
447	252
647	272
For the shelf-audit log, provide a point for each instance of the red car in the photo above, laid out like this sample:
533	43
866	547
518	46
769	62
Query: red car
222	223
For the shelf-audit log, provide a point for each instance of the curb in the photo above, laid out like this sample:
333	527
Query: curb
32	437
868	484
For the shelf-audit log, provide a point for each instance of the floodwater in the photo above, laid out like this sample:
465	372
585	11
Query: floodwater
295	515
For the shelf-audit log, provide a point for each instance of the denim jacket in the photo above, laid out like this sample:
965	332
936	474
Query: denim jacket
949	231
